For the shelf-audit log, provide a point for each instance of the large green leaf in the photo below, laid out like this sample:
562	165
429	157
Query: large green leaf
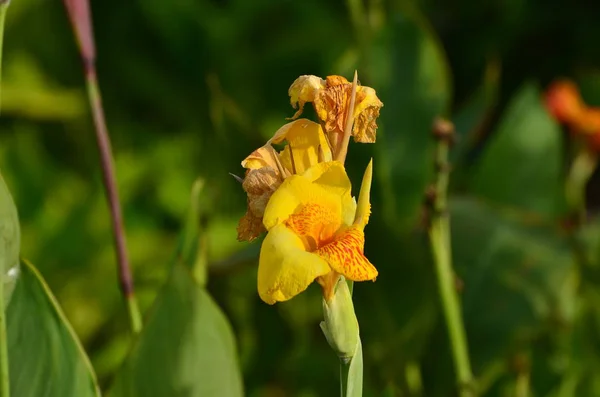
186	348
522	164
45	356
414	86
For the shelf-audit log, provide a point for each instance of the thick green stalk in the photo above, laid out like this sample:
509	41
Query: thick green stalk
439	236
4	375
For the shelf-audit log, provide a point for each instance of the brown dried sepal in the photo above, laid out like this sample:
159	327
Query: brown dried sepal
259	185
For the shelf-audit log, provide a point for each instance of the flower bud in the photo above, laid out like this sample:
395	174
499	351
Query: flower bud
340	325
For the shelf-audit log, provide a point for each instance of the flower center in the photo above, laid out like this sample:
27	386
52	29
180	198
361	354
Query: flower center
316	224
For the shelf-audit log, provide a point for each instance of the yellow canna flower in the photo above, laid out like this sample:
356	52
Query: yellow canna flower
315	231
331	99
267	168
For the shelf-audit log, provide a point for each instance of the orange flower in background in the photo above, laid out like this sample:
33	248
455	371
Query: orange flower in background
564	102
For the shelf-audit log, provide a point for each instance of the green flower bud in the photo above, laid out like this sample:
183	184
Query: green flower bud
340	325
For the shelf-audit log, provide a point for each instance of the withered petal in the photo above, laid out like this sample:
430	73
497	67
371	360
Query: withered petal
250	227
304	89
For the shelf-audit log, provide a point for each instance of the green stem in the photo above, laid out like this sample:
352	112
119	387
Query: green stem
110	185
344	368
4	375
439	235
581	170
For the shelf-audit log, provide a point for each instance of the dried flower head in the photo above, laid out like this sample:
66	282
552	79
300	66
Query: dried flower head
331	100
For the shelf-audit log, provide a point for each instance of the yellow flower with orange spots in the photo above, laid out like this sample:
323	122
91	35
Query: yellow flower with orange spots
301	195
267	168
315	231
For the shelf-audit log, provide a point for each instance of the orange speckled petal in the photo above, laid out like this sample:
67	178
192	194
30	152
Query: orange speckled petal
345	256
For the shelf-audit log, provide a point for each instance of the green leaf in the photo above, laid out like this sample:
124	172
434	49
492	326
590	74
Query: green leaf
10	236
45	357
522	164
518	279
186	348
414	86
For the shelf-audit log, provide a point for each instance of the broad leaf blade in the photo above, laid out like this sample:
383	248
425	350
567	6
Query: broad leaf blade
522	164
186	349
45	356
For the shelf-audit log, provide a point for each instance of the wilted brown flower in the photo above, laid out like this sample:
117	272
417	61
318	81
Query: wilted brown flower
331	99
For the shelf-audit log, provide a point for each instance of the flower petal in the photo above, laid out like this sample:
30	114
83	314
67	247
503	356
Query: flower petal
331	176
304	89
331	103
366	113
346	256
292	194
259	184
285	269
307	145
261	157
250	227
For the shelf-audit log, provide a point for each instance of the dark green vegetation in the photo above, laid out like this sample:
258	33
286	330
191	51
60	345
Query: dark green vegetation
191	88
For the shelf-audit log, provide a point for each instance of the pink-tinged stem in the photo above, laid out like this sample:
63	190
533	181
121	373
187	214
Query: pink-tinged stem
79	14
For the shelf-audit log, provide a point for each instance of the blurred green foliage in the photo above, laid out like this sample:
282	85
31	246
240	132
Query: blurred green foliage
192	87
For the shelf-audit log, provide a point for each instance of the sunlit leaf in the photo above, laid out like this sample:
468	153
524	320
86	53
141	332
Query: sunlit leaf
186	348
45	357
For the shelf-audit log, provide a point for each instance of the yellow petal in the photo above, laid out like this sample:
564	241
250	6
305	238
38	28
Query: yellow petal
285	269
307	145
261	157
363	209
292	194
304	89
345	255
366	113
331	175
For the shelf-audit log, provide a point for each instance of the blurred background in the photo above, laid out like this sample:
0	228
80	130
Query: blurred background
192	87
